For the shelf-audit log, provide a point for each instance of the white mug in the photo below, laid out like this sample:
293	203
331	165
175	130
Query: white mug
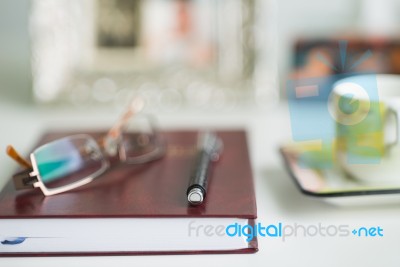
366	109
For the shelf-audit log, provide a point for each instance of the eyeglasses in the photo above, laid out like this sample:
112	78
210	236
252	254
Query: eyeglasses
76	160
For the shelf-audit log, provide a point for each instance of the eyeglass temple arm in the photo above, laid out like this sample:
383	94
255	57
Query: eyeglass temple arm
12	153
135	106
23	179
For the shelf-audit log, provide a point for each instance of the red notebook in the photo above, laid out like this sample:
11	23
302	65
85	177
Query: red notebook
138	209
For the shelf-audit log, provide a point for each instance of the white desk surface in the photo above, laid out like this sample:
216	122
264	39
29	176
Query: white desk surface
278	200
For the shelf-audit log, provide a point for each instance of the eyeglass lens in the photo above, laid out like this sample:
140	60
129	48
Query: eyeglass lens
68	160
139	141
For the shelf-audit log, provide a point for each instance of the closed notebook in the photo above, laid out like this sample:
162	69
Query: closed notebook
137	209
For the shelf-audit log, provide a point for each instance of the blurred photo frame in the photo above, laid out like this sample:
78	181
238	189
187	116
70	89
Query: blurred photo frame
87	51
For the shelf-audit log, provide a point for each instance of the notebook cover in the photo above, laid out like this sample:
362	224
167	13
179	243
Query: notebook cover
156	189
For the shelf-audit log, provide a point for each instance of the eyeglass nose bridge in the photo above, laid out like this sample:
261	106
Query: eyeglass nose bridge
111	145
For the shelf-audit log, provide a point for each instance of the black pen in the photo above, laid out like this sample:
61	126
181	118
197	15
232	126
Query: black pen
209	148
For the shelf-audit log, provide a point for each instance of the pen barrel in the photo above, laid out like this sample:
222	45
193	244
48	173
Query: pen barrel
199	175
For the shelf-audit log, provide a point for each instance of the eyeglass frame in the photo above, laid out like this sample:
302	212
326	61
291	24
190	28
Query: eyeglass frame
30	178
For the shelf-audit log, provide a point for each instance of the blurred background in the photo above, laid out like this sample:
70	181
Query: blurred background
201	54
